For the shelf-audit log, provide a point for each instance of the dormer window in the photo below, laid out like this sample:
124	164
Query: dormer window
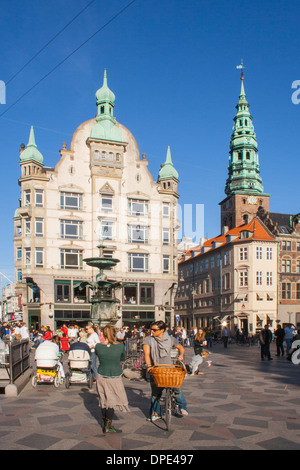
245	234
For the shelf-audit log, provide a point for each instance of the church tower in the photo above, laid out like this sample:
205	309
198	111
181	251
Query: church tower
244	190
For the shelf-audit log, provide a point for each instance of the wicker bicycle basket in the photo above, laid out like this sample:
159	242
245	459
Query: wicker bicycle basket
166	375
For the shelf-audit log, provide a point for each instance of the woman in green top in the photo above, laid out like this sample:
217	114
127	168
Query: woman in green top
110	386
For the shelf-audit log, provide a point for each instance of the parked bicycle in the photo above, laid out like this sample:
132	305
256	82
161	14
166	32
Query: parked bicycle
134	367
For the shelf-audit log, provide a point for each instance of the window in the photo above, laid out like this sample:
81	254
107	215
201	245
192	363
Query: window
138	262
107	230
166	210
269	253
259	278
146	294
137	234
286	265
297	266
243	278
269	279
71	229
227	258
70	259
27	257
298	291
258	252
298	246
166	236
27	197
39	257
62	291
286	246
19	253
226	281
245	233
19	275
27	227
79	295
71	201
106	203
286	290
130	294
243	254
39	227
166	264
137	207
39	198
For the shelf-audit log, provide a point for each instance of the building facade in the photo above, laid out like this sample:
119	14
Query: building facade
286	229
233	278
99	191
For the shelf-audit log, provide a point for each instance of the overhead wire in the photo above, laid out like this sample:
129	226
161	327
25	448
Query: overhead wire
68	56
49	42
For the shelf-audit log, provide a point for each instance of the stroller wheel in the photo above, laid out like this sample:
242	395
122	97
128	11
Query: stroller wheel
34	381
56	381
90	381
67	381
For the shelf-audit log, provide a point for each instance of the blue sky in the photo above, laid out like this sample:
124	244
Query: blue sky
172	66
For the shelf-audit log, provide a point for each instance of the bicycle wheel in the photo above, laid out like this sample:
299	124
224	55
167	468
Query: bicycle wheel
168	407
129	363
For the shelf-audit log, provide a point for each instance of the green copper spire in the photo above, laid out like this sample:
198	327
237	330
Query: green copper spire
105	127
243	168
168	170
31	152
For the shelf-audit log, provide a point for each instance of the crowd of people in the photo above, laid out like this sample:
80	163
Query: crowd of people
106	347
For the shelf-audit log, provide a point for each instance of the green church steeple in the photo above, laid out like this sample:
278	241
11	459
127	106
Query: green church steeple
243	168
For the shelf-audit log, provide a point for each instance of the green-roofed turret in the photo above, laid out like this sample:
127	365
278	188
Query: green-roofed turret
167	170
105	127
31	153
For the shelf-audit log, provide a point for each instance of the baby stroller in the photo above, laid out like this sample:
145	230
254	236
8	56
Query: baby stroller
49	368
79	368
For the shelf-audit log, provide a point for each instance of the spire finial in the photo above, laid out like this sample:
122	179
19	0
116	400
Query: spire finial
105	77
31	142
241	68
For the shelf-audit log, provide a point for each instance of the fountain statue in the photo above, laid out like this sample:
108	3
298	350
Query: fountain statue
104	301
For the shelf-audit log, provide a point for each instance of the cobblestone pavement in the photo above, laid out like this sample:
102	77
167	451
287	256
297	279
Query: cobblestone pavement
240	403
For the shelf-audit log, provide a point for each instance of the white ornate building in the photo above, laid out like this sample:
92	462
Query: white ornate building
100	189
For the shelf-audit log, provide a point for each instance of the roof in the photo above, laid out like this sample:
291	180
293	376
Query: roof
256	231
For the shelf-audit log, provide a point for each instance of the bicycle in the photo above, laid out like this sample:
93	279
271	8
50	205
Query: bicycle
169	377
136	364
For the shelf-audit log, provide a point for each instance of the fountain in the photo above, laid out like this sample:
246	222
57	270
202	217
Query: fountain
104	301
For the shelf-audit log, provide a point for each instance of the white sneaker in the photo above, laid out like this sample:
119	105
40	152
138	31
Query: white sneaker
183	412
154	418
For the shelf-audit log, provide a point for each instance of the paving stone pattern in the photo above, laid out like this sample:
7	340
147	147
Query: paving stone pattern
240	403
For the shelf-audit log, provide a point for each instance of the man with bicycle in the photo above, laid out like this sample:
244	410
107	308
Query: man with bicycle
157	350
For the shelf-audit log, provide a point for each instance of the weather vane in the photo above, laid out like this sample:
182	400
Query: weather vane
241	68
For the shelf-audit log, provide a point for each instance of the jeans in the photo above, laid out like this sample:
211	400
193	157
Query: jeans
156	395
288	344
94	359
